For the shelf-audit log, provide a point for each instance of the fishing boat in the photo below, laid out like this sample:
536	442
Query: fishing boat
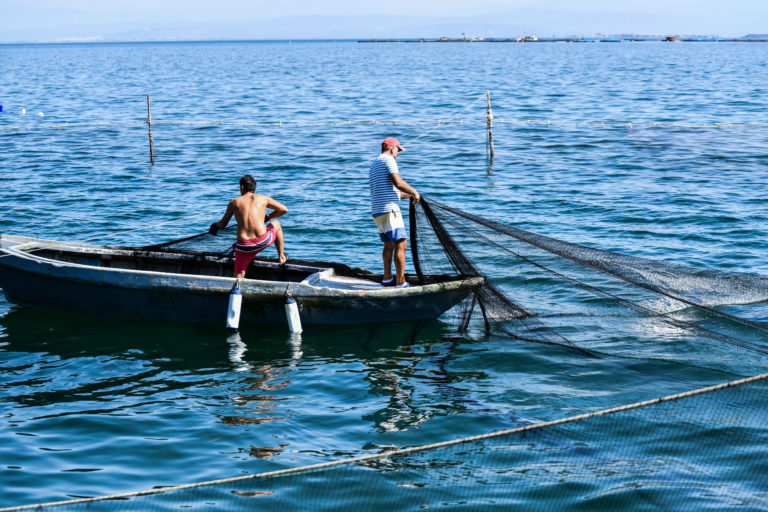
137	282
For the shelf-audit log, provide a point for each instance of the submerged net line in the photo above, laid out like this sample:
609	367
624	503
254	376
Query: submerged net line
624	124
325	466
288	123
280	123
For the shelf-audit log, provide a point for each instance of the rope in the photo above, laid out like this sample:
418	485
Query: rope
413	142
626	124
386	122
402	451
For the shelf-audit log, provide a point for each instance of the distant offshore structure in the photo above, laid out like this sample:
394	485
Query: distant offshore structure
750	38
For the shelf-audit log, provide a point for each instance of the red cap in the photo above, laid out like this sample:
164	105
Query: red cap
391	142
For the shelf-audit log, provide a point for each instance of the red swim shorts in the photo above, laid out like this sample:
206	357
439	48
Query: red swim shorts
246	250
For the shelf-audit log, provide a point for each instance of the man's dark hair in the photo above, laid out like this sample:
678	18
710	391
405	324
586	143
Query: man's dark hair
248	183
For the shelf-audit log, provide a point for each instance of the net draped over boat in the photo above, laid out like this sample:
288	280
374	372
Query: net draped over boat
205	243
653	291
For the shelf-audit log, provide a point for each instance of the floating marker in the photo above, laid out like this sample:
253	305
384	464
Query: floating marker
292	314
23	111
1	108
40	114
233	313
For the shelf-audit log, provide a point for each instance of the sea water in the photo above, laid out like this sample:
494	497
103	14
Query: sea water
657	150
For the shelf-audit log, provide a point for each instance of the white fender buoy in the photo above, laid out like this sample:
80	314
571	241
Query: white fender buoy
235	302
41	114
23	111
292	314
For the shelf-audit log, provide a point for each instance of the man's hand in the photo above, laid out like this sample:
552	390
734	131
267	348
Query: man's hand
416	197
214	229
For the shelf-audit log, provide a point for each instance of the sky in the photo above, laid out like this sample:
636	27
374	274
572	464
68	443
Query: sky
110	20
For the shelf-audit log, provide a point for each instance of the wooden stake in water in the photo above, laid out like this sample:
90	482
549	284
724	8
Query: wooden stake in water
489	121
151	141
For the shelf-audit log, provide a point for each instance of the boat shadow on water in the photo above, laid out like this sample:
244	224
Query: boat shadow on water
66	334
202	360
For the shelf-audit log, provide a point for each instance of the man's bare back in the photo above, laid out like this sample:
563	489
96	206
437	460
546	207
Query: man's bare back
249	211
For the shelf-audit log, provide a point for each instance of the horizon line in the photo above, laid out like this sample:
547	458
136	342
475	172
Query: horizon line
627	37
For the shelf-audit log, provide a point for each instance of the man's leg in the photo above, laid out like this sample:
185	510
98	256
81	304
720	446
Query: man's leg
400	260
386	255
242	260
279	241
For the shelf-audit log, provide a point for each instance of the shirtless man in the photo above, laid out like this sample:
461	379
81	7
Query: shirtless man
253	233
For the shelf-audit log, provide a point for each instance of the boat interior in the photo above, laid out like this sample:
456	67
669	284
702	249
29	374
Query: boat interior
315	273
176	263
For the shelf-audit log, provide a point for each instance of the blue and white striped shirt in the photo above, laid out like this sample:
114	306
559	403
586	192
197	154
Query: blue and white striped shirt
384	194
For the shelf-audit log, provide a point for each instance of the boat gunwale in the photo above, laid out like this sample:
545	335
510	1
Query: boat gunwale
248	286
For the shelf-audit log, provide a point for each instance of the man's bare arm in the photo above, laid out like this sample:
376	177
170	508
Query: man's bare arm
403	186
278	209
216	226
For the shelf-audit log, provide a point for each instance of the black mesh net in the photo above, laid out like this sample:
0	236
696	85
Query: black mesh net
564	294
560	279
203	243
589	461
221	245
567	279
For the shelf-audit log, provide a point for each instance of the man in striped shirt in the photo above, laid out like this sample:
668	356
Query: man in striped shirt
386	189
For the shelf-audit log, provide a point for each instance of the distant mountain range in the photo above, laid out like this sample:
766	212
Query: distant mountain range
505	25
292	27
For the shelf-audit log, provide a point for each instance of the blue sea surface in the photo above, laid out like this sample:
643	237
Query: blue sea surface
655	150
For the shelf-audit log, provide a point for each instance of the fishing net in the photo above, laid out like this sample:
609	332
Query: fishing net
567	279
220	246
560	280
204	243
590	460
540	289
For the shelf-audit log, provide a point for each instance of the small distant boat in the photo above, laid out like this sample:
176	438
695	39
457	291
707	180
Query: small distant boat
139	282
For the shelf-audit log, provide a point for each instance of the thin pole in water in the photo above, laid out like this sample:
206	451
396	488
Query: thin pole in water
489	121
151	141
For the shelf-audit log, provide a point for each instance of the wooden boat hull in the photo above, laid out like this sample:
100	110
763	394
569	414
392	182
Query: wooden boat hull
75	277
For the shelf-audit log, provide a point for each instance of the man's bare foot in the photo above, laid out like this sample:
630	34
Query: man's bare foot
283	258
